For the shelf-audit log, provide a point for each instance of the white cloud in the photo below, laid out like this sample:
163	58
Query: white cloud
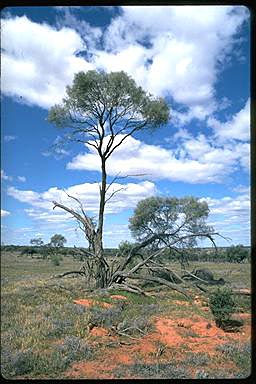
8	138
22	179
230	206
238	127
38	61
127	197
5	177
174	61
197	160
174	50
230	216
4	213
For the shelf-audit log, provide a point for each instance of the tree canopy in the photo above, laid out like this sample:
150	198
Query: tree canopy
37	241
170	221
103	105
57	241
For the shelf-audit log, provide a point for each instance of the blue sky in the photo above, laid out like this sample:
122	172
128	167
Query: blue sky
197	57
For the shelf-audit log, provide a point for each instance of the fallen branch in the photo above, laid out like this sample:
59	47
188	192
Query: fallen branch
67	273
127	287
242	291
160	281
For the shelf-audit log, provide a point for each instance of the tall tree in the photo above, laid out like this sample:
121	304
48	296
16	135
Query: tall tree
102	110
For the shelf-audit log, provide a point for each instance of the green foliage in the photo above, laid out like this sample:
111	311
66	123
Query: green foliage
170	220
97	97
222	304
56	259
57	241
237	253
115	91
125	248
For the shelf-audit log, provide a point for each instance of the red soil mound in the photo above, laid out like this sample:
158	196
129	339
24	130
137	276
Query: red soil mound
118	297
196	334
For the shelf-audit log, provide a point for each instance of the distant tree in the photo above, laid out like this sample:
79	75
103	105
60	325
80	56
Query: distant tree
38	242
57	241
102	110
237	253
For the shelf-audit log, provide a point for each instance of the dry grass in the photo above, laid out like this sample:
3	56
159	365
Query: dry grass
43	333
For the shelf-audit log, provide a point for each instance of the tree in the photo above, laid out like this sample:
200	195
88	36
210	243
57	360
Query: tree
37	242
237	253
171	222
57	241
102	110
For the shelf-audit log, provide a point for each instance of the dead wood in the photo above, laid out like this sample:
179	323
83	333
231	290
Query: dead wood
68	273
127	287
157	280
242	291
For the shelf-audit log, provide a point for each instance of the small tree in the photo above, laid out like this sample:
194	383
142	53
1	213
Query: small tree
57	241
102	110
38	242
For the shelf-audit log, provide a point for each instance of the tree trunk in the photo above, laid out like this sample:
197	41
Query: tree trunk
102	267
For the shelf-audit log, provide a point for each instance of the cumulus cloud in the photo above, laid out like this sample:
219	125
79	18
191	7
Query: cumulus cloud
127	197
38	61
197	160
164	49
230	215
4	213
237	128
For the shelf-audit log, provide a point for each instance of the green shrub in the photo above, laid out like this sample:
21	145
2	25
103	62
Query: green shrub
222	304
56	259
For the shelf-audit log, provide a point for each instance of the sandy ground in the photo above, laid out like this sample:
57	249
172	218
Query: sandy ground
171	339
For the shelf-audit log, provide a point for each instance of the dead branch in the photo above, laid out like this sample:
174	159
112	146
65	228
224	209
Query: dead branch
157	280
127	287
195	277
67	273
89	229
241	291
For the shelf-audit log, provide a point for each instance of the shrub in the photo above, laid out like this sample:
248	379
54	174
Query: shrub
74	349
56	259
18	363
240	354
159	370
197	359
137	326
106	317
222	304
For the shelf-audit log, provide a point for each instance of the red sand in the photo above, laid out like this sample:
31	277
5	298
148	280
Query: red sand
118	297
90	302
195	334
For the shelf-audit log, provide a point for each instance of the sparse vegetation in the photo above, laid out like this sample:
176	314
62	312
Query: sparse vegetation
44	332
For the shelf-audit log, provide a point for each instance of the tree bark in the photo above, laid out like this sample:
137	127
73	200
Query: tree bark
102	267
